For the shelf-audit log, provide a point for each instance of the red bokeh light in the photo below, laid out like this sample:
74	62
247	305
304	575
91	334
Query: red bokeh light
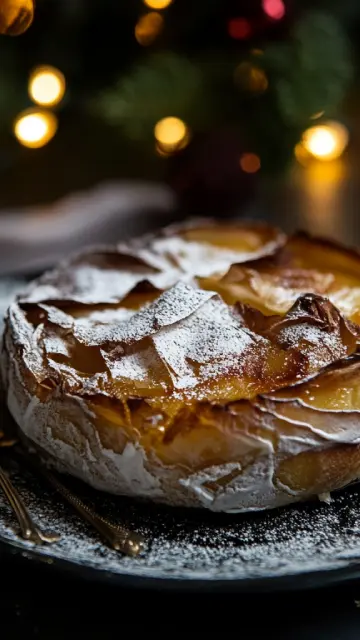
239	28
275	9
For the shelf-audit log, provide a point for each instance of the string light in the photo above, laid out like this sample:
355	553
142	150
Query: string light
148	28
161	152
317	115
251	78
275	9
34	128
250	162
301	154
324	142
239	28
157	4
46	86
171	134
16	16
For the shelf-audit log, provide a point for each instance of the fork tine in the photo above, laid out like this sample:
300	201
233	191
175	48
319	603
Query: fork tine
28	529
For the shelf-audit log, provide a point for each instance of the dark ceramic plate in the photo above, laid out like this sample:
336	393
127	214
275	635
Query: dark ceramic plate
295	547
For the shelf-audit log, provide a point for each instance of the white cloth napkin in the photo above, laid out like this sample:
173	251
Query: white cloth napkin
35	238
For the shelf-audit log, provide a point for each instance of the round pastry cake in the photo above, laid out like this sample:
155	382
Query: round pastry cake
209	365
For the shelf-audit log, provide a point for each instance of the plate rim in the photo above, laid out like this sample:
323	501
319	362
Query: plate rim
300	581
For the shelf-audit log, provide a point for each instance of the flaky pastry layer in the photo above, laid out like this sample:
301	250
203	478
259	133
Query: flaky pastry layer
210	365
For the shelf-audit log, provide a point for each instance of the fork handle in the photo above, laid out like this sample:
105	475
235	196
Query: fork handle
28	529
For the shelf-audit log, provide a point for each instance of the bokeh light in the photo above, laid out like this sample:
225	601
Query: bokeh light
275	9
16	16
319	188
157	4
257	52
46	86
250	162
326	141
148	28
239	28
171	134
301	154
34	128
162	152
251	78
317	115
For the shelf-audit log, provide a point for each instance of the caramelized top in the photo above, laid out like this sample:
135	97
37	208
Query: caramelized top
202	312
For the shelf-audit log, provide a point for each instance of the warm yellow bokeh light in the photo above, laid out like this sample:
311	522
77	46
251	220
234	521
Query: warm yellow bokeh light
162	152
168	150
47	86
301	155
35	128
16	16
326	141
148	28
157	4
171	133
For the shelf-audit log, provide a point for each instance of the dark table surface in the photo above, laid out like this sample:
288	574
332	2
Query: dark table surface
38	602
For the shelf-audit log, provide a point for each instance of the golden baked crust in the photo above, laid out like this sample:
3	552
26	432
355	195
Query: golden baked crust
209	365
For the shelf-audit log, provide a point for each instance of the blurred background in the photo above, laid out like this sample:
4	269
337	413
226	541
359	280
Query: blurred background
117	116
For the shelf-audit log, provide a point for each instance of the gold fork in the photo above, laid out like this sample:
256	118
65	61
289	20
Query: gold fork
28	529
117	537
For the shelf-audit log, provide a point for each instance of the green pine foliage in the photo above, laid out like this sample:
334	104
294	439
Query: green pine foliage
315	72
308	72
166	84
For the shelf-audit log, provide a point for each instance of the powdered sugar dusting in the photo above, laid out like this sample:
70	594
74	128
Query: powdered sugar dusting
173	305
105	316
162	261
186	327
211	337
198	258
86	283
321	347
140	366
188	545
